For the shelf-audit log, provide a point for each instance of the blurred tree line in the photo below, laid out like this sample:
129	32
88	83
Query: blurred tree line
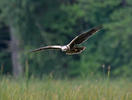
28	24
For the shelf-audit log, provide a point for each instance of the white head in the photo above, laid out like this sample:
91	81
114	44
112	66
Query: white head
64	48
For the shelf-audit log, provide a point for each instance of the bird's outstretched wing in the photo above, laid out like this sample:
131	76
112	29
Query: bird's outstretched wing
47	47
84	36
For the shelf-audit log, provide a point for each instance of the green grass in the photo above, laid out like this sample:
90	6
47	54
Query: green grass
47	89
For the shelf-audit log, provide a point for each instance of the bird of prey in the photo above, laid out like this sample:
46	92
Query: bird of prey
72	47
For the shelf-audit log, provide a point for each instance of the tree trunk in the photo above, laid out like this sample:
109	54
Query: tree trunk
15	57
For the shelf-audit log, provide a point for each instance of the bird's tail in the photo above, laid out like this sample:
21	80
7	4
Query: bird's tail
75	50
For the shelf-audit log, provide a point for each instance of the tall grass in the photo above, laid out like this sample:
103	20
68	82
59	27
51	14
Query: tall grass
47	89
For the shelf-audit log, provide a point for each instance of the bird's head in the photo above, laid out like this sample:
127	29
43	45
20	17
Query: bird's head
64	48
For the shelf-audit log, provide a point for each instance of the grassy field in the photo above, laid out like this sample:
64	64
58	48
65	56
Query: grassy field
49	89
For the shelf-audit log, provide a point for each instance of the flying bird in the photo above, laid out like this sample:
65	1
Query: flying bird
72	47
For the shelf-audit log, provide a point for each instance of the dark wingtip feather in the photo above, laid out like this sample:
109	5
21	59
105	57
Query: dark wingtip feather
99	27
32	51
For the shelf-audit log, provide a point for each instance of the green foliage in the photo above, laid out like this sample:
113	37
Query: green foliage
112	45
40	23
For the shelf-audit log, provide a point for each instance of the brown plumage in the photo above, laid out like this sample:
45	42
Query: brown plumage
72	47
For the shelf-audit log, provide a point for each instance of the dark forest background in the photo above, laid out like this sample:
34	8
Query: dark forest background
29	24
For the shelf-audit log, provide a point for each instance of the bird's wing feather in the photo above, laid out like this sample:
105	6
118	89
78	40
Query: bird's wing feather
47	47
84	36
